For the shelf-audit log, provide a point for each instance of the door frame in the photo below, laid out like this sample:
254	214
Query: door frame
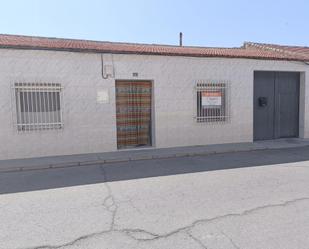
300	102
152	114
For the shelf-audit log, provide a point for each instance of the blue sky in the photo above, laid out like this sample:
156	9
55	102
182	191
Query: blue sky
204	23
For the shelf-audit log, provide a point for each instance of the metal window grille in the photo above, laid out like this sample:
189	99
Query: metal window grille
212	102
38	106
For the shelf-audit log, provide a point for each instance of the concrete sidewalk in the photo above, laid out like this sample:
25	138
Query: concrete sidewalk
144	154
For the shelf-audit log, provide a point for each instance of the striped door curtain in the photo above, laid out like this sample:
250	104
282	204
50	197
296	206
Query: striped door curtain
133	113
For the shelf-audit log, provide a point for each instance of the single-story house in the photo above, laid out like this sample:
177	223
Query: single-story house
64	96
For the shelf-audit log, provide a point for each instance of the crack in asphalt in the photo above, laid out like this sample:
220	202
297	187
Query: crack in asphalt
141	235
230	239
196	240
85	237
209	220
112	207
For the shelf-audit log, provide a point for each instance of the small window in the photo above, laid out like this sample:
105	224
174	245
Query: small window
212	102
38	106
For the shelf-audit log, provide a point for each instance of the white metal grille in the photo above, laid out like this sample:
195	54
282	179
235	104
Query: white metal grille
212	101
38	106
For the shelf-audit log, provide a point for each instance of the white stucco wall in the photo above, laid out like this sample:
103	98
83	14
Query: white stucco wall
91	127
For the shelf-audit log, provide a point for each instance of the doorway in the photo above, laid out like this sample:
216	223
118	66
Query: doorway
276	105
134	114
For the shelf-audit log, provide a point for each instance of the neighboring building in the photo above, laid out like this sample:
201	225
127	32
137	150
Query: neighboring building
301	52
61	96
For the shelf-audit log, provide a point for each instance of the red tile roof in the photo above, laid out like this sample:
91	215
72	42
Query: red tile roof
30	42
299	51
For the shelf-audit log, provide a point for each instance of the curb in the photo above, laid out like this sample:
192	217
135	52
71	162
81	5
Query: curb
136	158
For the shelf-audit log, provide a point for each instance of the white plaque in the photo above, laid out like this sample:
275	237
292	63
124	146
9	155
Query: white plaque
102	96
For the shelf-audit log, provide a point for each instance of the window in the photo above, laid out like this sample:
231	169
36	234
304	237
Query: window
212	102
38	106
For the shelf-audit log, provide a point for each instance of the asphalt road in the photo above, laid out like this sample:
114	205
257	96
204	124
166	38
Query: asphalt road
248	200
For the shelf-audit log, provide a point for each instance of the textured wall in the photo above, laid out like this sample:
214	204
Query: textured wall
91	127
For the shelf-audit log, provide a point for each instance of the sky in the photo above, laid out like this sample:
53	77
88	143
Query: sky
218	23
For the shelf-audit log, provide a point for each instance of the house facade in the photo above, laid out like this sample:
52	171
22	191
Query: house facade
63	97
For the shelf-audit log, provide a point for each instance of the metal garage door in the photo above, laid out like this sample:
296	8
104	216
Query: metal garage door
133	113
276	105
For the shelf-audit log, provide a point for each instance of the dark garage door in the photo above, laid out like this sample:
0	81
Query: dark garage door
276	105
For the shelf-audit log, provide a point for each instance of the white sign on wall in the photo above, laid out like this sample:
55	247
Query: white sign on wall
102	96
211	99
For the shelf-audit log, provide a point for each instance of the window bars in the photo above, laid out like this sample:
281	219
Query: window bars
38	106
212	102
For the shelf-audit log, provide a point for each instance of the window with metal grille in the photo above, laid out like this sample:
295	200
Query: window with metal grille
212	102
38	106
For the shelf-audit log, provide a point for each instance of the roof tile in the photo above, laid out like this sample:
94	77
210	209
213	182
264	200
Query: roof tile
30	42
299	51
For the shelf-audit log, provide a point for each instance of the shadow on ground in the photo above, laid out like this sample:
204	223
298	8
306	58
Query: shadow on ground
58	178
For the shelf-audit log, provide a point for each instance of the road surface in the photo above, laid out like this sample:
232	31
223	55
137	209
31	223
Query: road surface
247	200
